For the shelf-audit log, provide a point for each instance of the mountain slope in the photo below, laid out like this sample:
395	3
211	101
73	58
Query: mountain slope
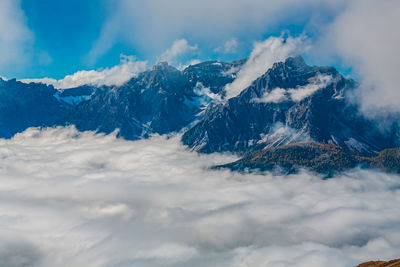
322	158
289	103
27	105
160	100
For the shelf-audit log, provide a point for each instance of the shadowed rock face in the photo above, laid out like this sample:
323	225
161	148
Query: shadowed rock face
213	74
392	263
291	103
153	102
160	100
308	101
26	105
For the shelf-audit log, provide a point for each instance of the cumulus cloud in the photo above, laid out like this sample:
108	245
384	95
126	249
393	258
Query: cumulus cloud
117	75
16	38
85	199
263	56
366	35
178	48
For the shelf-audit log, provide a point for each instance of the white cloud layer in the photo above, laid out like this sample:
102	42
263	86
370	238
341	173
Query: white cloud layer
178	48
81	199
367	35
15	37
117	75
263	56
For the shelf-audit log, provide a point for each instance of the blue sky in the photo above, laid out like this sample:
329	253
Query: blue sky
67	36
47	38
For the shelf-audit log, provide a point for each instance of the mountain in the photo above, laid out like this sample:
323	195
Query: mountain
160	100
213	74
294	115
322	158
26	105
291	102
392	263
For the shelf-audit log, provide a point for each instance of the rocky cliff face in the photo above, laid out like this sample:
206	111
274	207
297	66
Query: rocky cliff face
291	102
160	100
26	105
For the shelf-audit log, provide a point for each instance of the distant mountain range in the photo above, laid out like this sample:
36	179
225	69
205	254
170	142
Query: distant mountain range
292	116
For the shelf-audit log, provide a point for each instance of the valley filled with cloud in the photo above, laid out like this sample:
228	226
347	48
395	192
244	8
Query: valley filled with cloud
72	198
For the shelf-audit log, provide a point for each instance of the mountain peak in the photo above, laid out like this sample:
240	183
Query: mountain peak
296	61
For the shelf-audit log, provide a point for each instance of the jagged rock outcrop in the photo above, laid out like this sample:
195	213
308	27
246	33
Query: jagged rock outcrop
160	100
289	103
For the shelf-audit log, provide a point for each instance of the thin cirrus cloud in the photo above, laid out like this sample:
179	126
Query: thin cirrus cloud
229	46
85	199
16	38
152	25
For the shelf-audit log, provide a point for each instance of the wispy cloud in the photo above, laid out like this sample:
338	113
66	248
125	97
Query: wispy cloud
317	83
178	48
366	36
16	38
263	56
117	75
85	199
210	22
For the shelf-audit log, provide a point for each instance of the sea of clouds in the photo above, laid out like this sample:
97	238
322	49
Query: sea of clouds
86	199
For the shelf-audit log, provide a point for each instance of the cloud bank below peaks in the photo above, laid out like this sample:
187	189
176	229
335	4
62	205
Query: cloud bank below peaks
117	75
263	56
83	199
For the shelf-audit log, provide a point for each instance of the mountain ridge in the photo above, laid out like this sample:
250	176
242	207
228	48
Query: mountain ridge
290	103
